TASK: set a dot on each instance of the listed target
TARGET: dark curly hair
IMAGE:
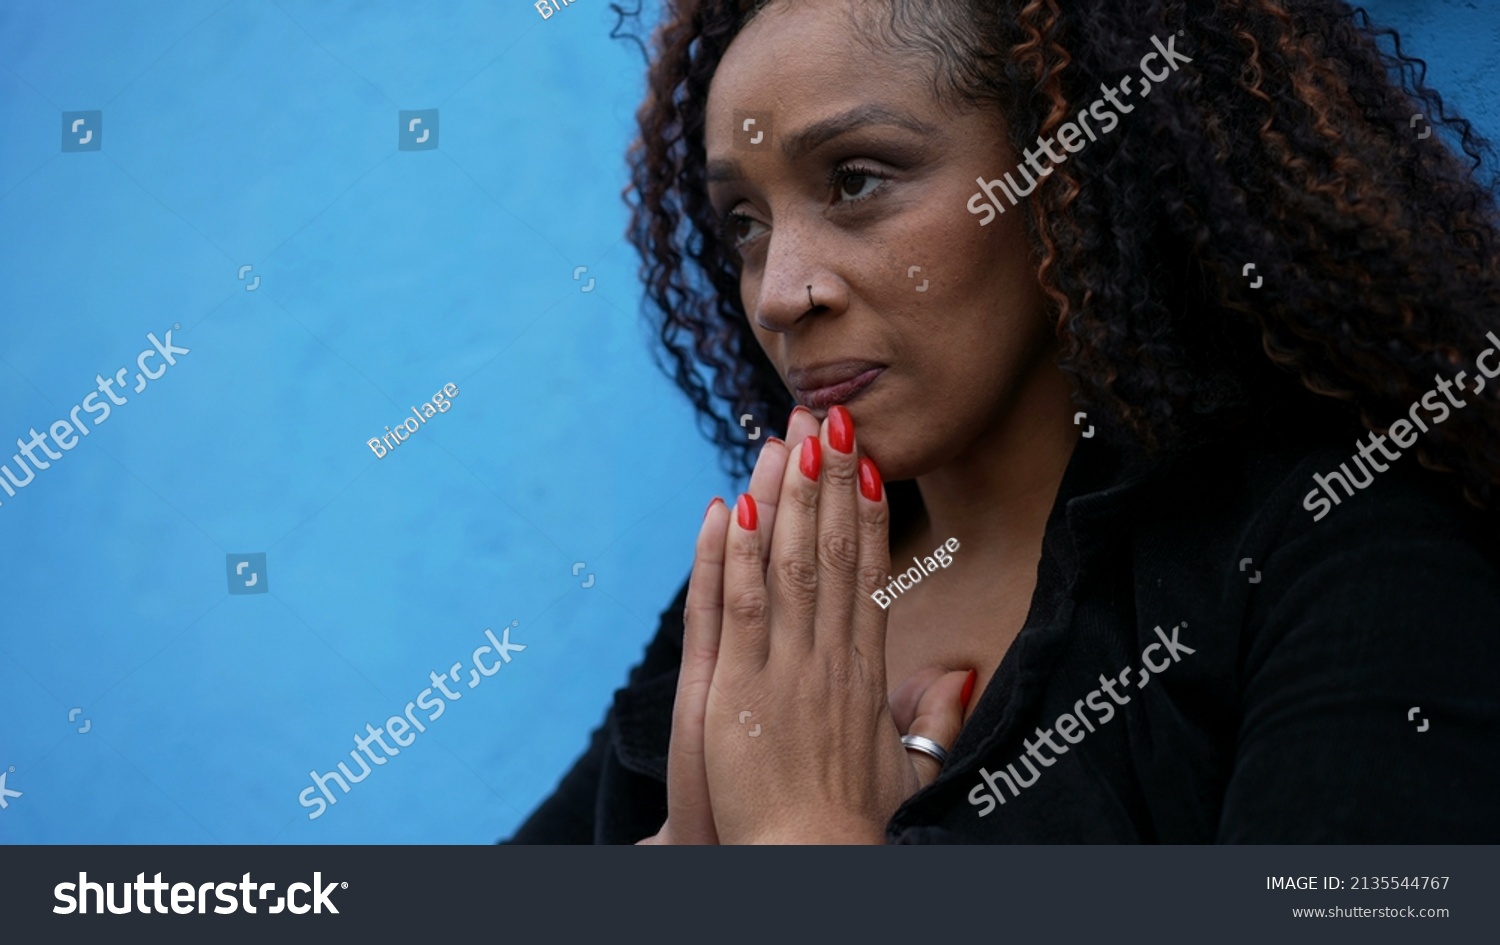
(1288, 142)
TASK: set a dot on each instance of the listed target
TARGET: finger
(703, 612)
(874, 563)
(765, 485)
(687, 774)
(792, 573)
(802, 424)
(744, 642)
(940, 717)
(905, 697)
(838, 533)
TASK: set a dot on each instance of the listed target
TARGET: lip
(835, 382)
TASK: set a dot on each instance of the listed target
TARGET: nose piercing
(810, 302)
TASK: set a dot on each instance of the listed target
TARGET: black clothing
(1327, 681)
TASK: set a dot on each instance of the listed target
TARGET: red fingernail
(745, 511)
(711, 506)
(969, 687)
(775, 439)
(841, 429)
(869, 479)
(811, 462)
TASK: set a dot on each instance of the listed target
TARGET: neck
(995, 497)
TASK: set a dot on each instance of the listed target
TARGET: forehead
(797, 62)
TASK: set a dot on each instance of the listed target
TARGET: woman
(1105, 291)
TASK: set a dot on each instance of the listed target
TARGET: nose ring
(810, 302)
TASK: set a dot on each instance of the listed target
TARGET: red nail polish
(869, 479)
(745, 511)
(711, 506)
(775, 439)
(796, 410)
(811, 462)
(841, 429)
(969, 687)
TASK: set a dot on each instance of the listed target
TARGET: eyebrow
(796, 146)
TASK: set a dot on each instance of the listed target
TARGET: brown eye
(740, 228)
(852, 183)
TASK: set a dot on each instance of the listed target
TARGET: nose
(795, 283)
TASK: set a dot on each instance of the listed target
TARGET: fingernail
(711, 506)
(745, 511)
(812, 458)
(869, 479)
(969, 687)
(775, 439)
(796, 410)
(841, 429)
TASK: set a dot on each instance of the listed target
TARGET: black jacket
(1327, 681)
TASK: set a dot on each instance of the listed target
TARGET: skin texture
(779, 619)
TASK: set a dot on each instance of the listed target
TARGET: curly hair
(1288, 142)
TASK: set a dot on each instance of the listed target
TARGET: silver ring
(927, 747)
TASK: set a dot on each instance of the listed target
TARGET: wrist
(825, 833)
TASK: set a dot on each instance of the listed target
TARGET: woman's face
(926, 324)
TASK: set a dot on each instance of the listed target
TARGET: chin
(895, 452)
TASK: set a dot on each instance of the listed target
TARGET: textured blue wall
(265, 134)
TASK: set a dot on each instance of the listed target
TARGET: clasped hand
(780, 623)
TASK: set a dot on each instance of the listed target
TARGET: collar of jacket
(1099, 490)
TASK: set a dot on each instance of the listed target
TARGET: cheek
(996, 286)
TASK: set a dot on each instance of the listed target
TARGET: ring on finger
(927, 747)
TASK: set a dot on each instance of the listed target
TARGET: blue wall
(264, 134)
